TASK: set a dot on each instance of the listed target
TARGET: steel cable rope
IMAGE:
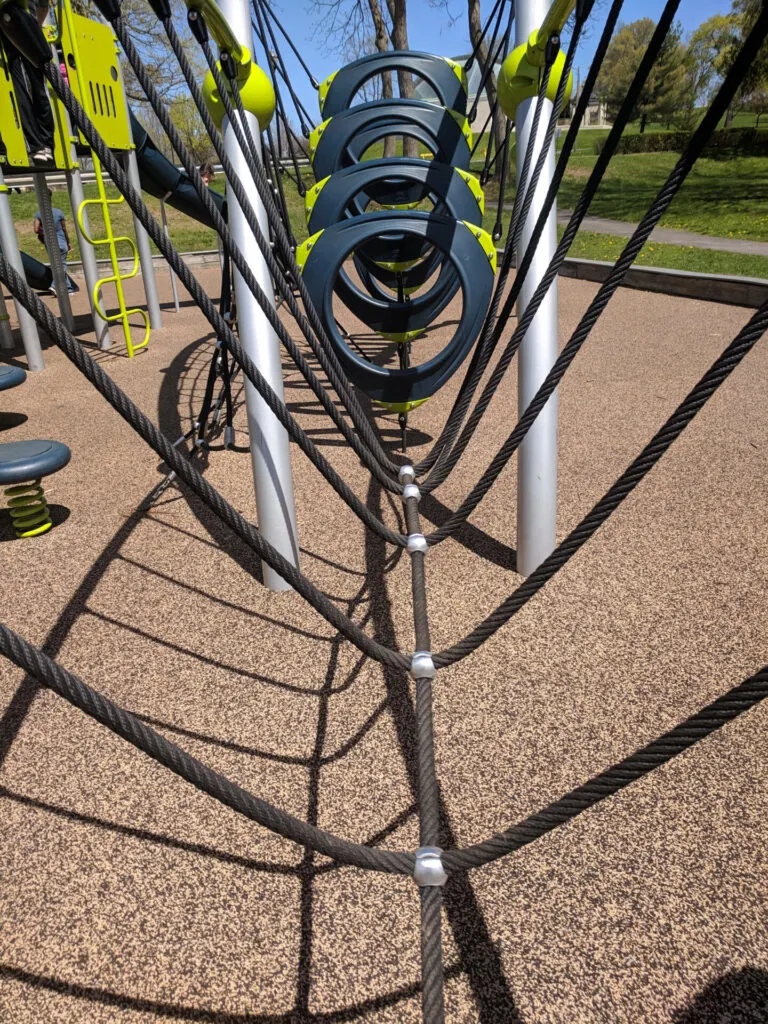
(479, 358)
(488, 339)
(492, 52)
(280, 106)
(301, 111)
(616, 778)
(607, 289)
(470, 60)
(223, 230)
(220, 326)
(317, 337)
(324, 353)
(430, 896)
(189, 474)
(312, 80)
(451, 459)
(121, 722)
(615, 495)
(317, 341)
(492, 330)
(212, 315)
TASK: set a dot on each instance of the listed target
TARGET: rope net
(396, 306)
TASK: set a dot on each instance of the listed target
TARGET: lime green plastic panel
(10, 123)
(93, 69)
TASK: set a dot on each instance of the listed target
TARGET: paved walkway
(604, 226)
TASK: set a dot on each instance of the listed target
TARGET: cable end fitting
(411, 491)
(416, 542)
(406, 474)
(429, 868)
(422, 665)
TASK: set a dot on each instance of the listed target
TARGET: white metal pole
(10, 248)
(537, 457)
(174, 289)
(270, 450)
(145, 252)
(6, 334)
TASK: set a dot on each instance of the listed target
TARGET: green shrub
(727, 142)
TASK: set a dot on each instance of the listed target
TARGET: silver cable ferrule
(429, 868)
(416, 542)
(422, 665)
(411, 491)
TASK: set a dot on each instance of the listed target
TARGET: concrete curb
(733, 291)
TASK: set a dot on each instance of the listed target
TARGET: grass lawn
(727, 198)
(186, 234)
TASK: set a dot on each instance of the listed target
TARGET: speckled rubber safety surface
(128, 897)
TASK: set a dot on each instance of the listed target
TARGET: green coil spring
(28, 508)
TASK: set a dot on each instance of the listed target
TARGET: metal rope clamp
(411, 491)
(406, 474)
(429, 868)
(416, 542)
(422, 665)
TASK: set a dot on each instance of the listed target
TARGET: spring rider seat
(23, 464)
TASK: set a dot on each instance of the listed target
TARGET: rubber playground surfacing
(128, 896)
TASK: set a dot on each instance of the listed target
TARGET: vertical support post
(537, 457)
(88, 258)
(174, 289)
(6, 334)
(142, 244)
(270, 451)
(10, 247)
(54, 255)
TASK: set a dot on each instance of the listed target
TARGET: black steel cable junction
(710, 718)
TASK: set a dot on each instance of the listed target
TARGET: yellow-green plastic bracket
(458, 70)
(322, 90)
(553, 24)
(311, 196)
(116, 278)
(521, 70)
(303, 251)
(475, 187)
(401, 406)
(315, 134)
(223, 34)
(404, 337)
(486, 242)
(463, 123)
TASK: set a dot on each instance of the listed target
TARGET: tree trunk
(387, 90)
(643, 122)
(499, 119)
(729, 116)
(399, 37)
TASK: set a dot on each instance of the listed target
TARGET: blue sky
(430, 30)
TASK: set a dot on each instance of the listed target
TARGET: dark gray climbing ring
(467, 258)
(436, 71)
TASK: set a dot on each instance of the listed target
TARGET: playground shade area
(129, 897)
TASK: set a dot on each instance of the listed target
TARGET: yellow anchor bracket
(256, 90)
(520, 73)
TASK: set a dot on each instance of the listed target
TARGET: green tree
(667, 88)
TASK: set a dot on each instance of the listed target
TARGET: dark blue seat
(29, 460)
(22, 464)
(11, 377)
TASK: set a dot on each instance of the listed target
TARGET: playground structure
(429, 864)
